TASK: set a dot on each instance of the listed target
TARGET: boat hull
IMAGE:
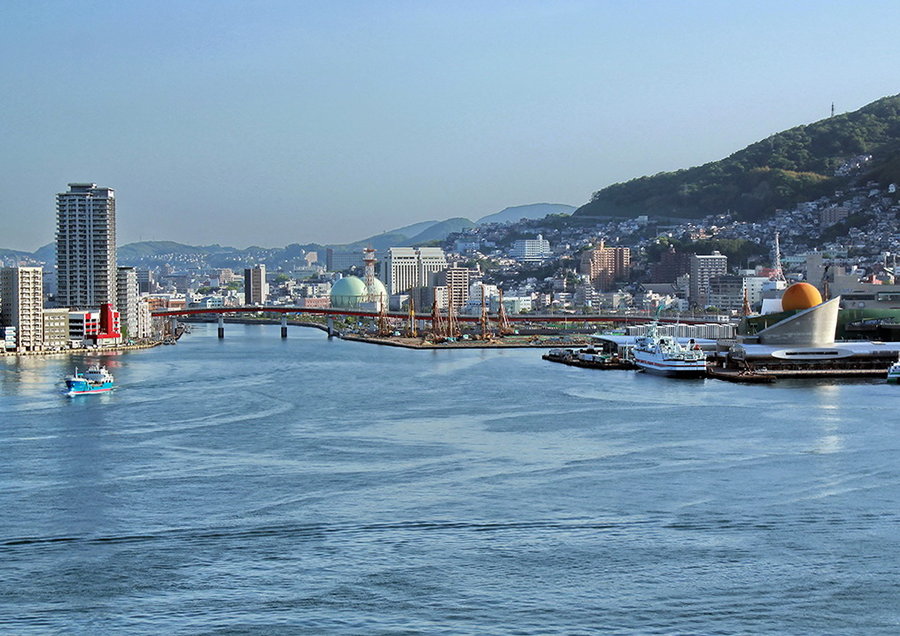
(671, 368)
(80, 387)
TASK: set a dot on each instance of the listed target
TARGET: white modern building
(22, 305)
(535, 250)
(704, 267)
(127, 299)
(408, 267)
(86, 246)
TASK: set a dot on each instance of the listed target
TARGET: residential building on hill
(704, 267)
(535, 250)
(605, 265)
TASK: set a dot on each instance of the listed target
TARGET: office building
(704, 267)
(456, 280)
(22, 305)
(256, 290)
(56, 328)
(408, 267)
(342, 261)
(606, 265)
(86, 246)
(726, 292)
(101, 327)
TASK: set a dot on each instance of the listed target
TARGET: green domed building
(350, 292)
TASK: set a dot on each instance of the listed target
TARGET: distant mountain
(8, 253)
(800, 164)
(532, 211)
(415, 228)
(145, 249)
(440, 231)
(47, 253)
(410, 235)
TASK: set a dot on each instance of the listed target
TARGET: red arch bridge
(331, 313)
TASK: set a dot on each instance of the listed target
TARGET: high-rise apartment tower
(86, 246)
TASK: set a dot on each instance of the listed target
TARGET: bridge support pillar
(221, 326)
(284, 325)
(329, 324)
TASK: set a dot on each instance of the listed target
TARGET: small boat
(664, 355)
(95, 380)
(893, 374)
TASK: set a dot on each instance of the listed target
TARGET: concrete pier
(284, 325)
(329, 323)
(221, 326)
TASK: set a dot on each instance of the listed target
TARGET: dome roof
(800, 296)
(348, 292)
(378, 289)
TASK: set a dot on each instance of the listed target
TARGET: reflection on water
(308, 485)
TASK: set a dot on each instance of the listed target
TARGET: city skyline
(331, 124)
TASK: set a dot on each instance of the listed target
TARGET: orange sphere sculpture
(800, 296)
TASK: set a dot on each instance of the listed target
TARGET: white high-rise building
(431, 261)
(22, 305)
(531, 250)
(86, 246)
(127, 299)
(407, 267)
(704, 267)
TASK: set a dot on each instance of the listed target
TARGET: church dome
(800, 296)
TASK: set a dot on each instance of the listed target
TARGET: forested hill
(796, 165)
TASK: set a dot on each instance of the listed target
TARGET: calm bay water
(256, 485)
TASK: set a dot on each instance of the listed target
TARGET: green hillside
(792, 166)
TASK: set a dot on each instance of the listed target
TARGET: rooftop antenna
(779, 272)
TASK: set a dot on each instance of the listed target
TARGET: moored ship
(664, 355)
(893, 374)
(95, 379)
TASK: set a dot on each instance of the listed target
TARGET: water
(256, 485)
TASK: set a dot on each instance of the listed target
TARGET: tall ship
(664, 355)
(95, 379)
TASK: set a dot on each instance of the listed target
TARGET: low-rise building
(56, 328)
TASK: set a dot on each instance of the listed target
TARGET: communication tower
(779, 271)
(369, 260)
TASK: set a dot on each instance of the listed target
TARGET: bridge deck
(319, 311)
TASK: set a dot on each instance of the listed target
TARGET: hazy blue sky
(288, 121)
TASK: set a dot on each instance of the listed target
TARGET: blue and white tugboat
(95, 380)
(664, 355)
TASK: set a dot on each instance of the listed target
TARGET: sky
(276, 122)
